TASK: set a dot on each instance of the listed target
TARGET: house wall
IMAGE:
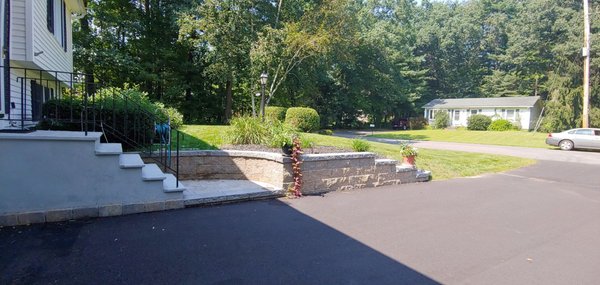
(18, 28)
(54, 57)
(29, 35)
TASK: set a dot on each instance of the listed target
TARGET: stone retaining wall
(321, 172)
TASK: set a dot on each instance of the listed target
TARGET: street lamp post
(263, 81)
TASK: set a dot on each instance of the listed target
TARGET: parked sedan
(575, 138)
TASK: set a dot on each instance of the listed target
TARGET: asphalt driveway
(576, 156)
(536, 225)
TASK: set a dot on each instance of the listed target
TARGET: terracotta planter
(408, 160)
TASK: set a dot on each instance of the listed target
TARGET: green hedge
(478, 122)
(502, 125)
(303, 119)
(274, 113)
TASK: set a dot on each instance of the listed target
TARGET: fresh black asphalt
(536, 225)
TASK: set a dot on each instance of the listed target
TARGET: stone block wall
(321, 172)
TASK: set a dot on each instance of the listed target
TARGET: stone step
(385, 161)
(151, 172)
(130, 160)
(109, 149)
(404, 168)
(170, 184)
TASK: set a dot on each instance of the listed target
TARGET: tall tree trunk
(229, 100)
(90, 88)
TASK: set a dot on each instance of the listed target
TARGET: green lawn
(509, 138)
(443, 164)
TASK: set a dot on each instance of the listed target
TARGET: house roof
(522, 101)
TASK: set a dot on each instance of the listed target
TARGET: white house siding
(18, 40)
(20, 83)
(54, 56)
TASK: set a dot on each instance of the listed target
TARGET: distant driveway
(587, 157)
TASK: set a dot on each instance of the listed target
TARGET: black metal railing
(55, 100)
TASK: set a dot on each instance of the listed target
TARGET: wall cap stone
(52, 136)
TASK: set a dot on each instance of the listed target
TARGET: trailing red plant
(295, 189)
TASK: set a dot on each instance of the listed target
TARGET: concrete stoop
(58, 176)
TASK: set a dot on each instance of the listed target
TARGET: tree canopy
(347, 59)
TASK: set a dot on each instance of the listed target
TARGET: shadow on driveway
(263, 242)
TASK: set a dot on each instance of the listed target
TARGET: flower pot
(408, 160)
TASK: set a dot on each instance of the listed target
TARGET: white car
(586, 138)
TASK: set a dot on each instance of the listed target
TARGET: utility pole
(586, 65)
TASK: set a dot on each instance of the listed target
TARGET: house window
(473, 112)
(56, 20)
(510, 114)
(456, 115)
(50, 15)
(431, 114)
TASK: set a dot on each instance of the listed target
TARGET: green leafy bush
(273, 113)
(478, 122)
(442, 120)
(303, 119)
(326, 132)
(247, 130)
(359, 145)
(280, 134)
(126, 115)
(417, 123)
(501, 125)
(170, 114)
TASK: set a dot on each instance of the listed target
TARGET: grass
(508, 138)
(443, 164)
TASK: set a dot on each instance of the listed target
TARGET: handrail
(53, 84)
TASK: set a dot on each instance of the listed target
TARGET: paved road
(588, 157)
(535, 225)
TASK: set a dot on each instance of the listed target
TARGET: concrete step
(131, 160)
(151, 172)
(211, 192)
(170, 184)
(109, 149)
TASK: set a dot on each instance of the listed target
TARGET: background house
(522, 110)
(37, 56)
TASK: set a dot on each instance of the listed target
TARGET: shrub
(303, 119)
(359, 145)
(247, 130)
(442, 120)
(478, 122)
(326, 132)
(417, 123)
(170, 114)
(273, 113)
(280, 134)
(501, 125)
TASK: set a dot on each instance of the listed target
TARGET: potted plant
(409, 153)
